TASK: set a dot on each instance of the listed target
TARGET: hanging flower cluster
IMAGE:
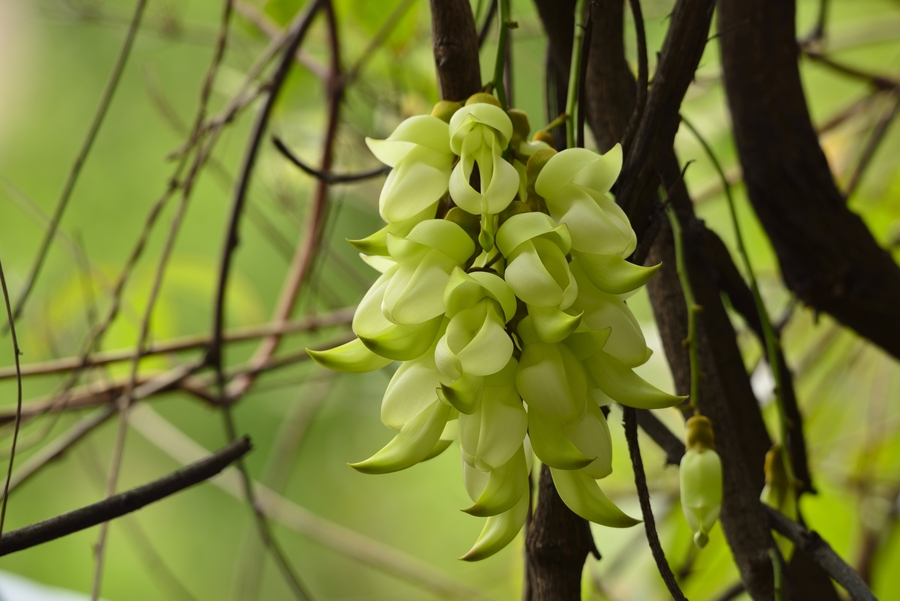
(502, 294)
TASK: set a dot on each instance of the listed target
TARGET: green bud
(699, 434)
(444, 110)
(521, 127)
(535, 165)
(514, 208)
(543, 136)
(483, 98)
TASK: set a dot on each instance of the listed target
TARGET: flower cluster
(502, 293)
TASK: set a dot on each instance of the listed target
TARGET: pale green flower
(550, 378)
(574, 184)
(476, 343)
(419, 152)
(376, 244)
(701, 480)
(535, 248)
(385, 338)
(479, 133)
(425, 258)
(601, 310)
(491, 433)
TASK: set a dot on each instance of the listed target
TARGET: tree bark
(828, 257)
(455, 43)
(557, 543)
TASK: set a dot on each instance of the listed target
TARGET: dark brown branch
(123, 503)
(879, 82)
(296, 37)
(681, 52)
(640, 481)
(75, 171)
(821, 552)
(329, 178)
(643, 73)
(455, 48)
(828, 257)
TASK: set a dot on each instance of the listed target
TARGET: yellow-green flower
(701, 480)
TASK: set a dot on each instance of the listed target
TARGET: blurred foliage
(55, 56)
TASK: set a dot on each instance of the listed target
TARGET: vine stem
(776, 572)
(773, 350)
(500, 62)
(574, 69)
(692, 307)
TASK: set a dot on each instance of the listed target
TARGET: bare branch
(123, 503)
(328, 178)
(15, 439)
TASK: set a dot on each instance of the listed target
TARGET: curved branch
(828, 256)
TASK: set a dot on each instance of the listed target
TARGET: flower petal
(613, 274)
(499, 531)
(552, 445)
(584, 497)
(626, 387)
(352, 357)
(505, 487)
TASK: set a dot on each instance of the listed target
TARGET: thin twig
(574, 71)
(884, 122)
(329, 178)
(185, 343)
(500, 61)
(640, 480)
(121, 504)
(16, 353)
(80, 159)
(643, 75)
(310, 242)
(488, 22)
(297, 34)
(879, 82)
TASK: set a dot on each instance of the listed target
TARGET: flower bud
(779, 494)
(701, 480)
(445, 109)
(483, 98)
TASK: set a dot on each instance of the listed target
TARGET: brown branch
(15, 439)
(123, 503)
(455, 48)
(828, 257)
(643, 74)
(640, 481)
(878, 133)
(879, 82)
(186, 343)
(61, 204)
(309, 244)
(557, 543)
(821, 552)
(297, 34)
(328, 178)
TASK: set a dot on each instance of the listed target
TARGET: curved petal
(499, 531)
(590, 435)
(413, 444)
(561, 169)
(444, 236)
(551, 444)
(354, 357)
(592, 229)
(530, 279)
(613, 274)
(503, 186)
(421, 130)
(376, 244)
(490, 349)
(417, 182)
(416, 292)
(402, 343)
(465, 393)
(497, 288)
(603, 173)
(583, 496)
(505, 487)
(553, 325)
(522, 227)
(412, 388)
(626, 387)
(463, 194)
